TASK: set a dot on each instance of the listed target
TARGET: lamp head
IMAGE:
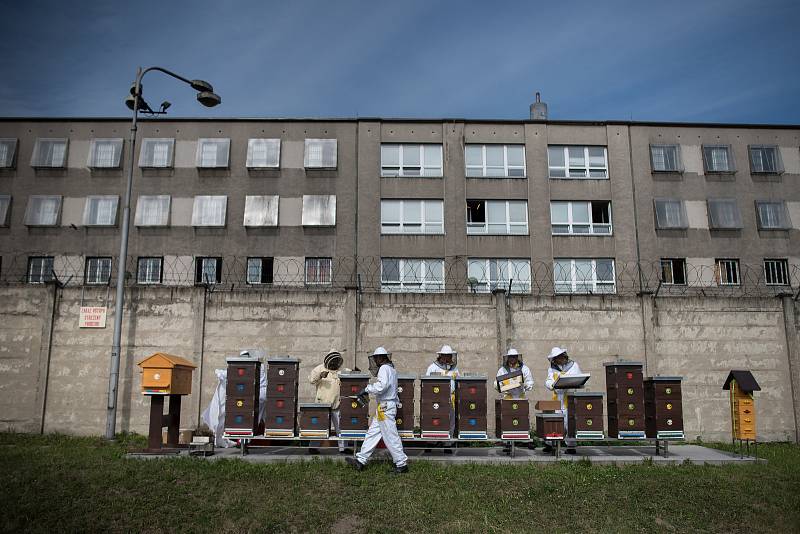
(201, 86)
(209, 99)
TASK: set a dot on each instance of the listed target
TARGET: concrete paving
(598, 455)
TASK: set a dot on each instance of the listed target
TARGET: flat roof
(409, 120)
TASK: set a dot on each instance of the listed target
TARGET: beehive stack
(405, 411)
(282, 382)
(353, 417)
(471, 407)
(663, 407)
(241, 397)
(625, 388)
(435, 407)
(512, 419)
(585, 415)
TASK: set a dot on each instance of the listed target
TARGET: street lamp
(135, 102)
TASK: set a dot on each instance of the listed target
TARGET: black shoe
(346, 450)
(571, 451)
(358, 466)
(532, 446)
(397, 470)
(547, 449)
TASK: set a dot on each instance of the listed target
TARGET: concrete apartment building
(404, 205)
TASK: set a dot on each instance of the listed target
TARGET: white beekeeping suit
(383, 424)
(512, 361)
(558, 368)
(446, 364)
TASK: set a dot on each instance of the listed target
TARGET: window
(5, 204)
(49, 153)
(718, 158)
(8, 153)
(318, 271)
(723, 214)
(772, 215)
(213, 153)
(43, 210)
(263, 153)
(259, 270)
(410, 275)
(152, 210)
(765, 159)
(665, 158)
(412, 217)
(319, 210)
(495, 161)
(411, 160)
(497, 217)
(98, 271)
(209, 210)
(575, 218)
(261, 210)
(156, 153)
(149, 270)
(670, 214)
(776, 272)
(727, 272)
(40, 269)
(105, 153)
(673, 271)
(584, 275)
(577, 161)
(100, 210)
(320, 154)
(208, 271)
(486, 275)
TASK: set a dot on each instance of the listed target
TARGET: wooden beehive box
(435, 407)
(314, 420)
(512, 419)
(741, 385)
(663, 407)
(241, 396)
(405, 410)
(625, 389)
(585, 415)
(165, 374)
(471, 407)
(353, 417)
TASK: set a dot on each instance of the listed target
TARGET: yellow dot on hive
(239, 403)
(514, 406)
(436, 389)
(589, 422)
(354, 404)
(669, 406)
(588, 405)
(515, 422)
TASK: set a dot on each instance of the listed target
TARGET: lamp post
(207, 97)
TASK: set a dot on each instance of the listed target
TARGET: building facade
(549, 207)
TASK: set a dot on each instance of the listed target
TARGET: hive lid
(354, 374)
(586, 394)
(282, 359)
(745, 379)
(241, 359)
(550, 416)
(166, 361)
(622, 363)
(663, 379)
(406, 376)
(440, 378)
(302, 405)
(471, 377)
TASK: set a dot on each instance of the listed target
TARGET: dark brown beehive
(663, 407)
(585, 415)
(241, 396)
(471, 407)
(625, 389)
(282, 383)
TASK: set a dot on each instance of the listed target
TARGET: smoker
(625, 390)
(282, 383)
(435, 402)
(471, 407)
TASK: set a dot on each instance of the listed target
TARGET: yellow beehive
(165, 374)
(741, 385)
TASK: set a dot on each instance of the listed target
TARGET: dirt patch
(347, 524)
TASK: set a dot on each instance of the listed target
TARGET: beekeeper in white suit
(561, 365)
(446, 364)
(512, 361)
(383, 424)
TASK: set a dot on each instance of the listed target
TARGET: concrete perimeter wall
(54, 375)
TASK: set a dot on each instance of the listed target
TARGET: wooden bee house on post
(165, 375)
(741, 385)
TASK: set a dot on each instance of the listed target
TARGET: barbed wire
(374, 274)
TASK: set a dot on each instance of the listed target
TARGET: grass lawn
(57, 483)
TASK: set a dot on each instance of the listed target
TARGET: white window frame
(717, 225)
(783, 222)
(95, 161)
(415, 275)
(5, 210)
(209, 211)
(778, 270)
(671, 263)
(477, 228)
(311, 144)
(261, 210)
(711, 166)
(202, 269)
(146, 266)
(319, 263)
(756, 155)
(253, 277)
(143, 205)
(164, 163)
(592, 228)
(482, 170)
(408, 170)
(665, 148)
(666, 224)
(8, 152)
(587, 167)
(213, 153)
(515, 269)
(97, 271)
(53, 159)
(327, 218)
(727, 272)
(584, 285)
(426, 224)
(43, 271)
(34, 210)
(109, 205)
(254, 145)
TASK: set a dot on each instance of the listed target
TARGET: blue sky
(708, 61)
